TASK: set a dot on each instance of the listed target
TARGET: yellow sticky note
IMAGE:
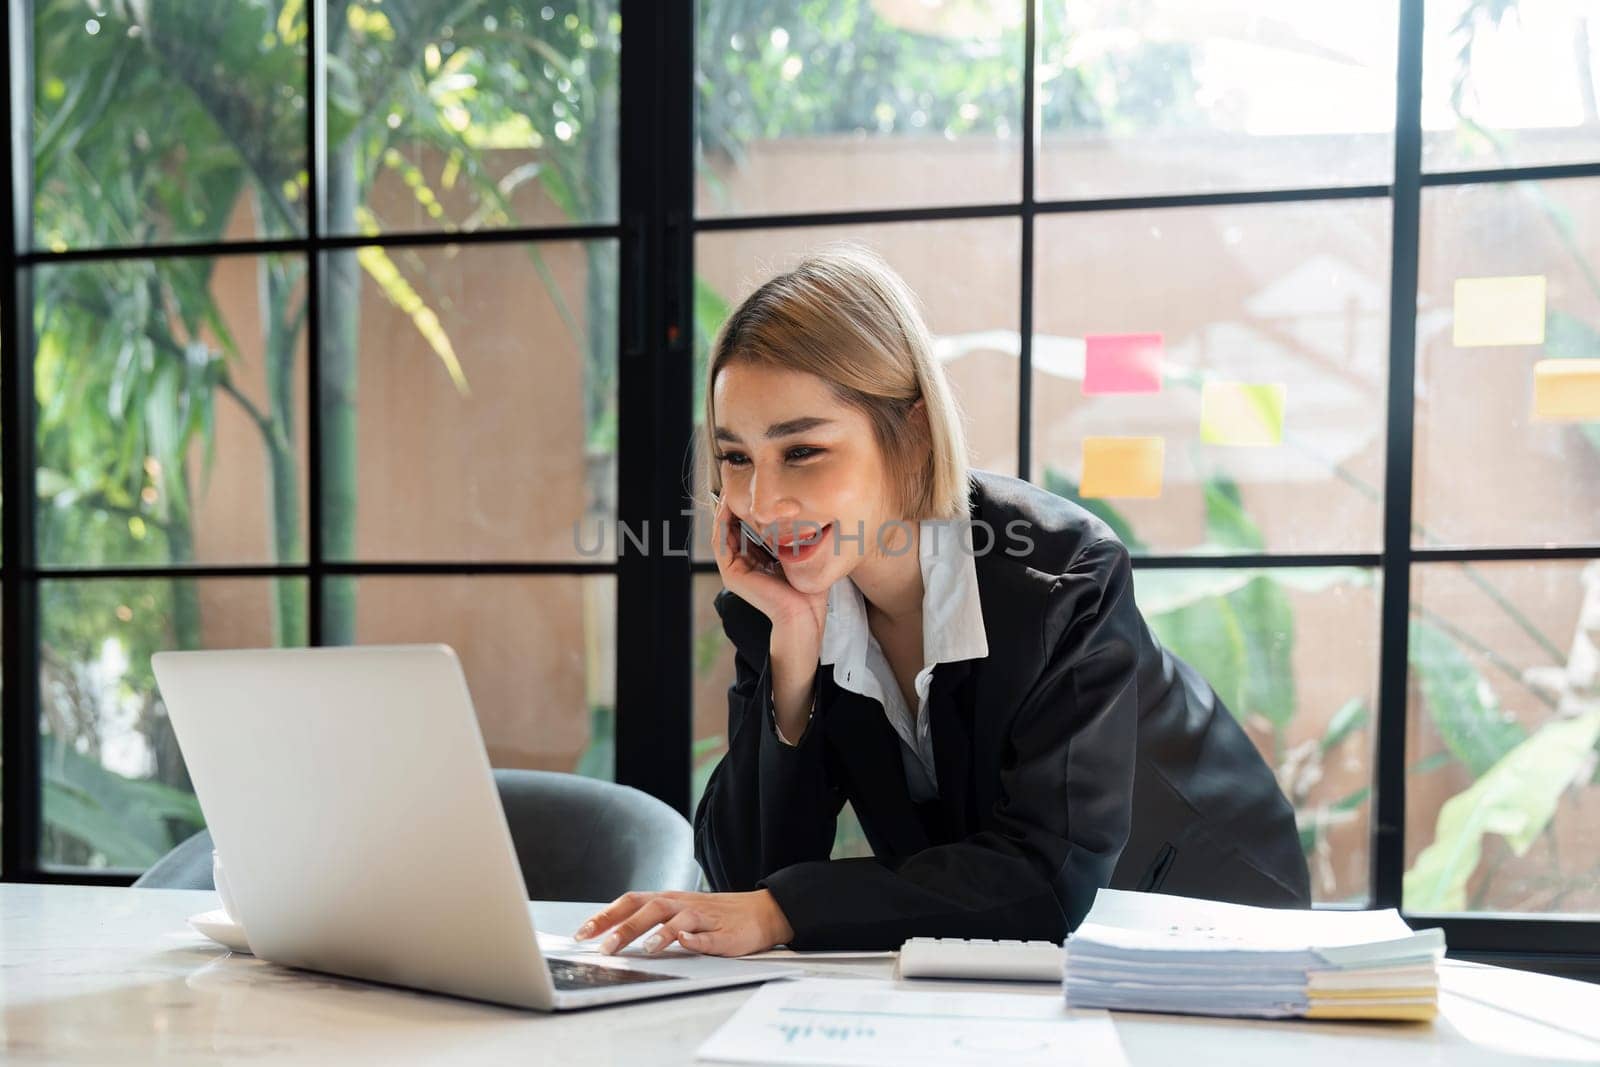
(1122, 467)
(1499, 311)
(1566, 389)
(1242, 413)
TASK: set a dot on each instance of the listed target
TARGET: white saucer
(218, 927)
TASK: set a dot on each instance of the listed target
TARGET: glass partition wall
(359, 321)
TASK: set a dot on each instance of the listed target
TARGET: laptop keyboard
(568, 974)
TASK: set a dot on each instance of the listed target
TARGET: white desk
(114, 975)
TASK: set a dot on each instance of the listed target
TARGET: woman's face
(794, 457)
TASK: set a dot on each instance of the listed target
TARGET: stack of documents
(1151, 952)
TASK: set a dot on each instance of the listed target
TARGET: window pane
(965, 274)
(171, 411)
(1187, 96)
(1293, 653)
(116, 793)
(1503, 799)
(713, 675)
(854, 104)
(1509, 84)
(1259, 374)
(1507, 297)
(538, 652)
(168, 122)
(478, 421)
(472, 116)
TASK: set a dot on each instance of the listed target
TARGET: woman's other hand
(717, 924)
(796, 617)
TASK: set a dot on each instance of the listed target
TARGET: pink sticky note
(1122, 363)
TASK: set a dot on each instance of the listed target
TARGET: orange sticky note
(1499, 311)
(1242, 413)
(1566, 389)
(1122, 467)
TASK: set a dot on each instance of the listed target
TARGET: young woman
(955, 652)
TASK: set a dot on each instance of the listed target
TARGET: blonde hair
(844, 315)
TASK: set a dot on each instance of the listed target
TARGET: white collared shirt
(952, 629)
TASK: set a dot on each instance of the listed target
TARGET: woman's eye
(739, 459)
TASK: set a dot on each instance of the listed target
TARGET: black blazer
(1079, 753)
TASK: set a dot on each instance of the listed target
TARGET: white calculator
(959, 957)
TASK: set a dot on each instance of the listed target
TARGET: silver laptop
(348, 792)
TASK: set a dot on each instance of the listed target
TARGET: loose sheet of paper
(845, 1022)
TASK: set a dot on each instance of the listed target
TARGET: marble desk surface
(107, 975)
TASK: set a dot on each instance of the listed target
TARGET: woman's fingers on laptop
(642, 919)
(730, 924)
(710, 929)
(687, 921)
(717, 924)
(613, 913)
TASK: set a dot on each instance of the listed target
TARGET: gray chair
(576, 839)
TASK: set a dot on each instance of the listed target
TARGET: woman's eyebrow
(786, 428)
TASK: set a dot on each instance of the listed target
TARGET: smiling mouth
(801, 542)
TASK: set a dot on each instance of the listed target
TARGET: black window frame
(656, 228)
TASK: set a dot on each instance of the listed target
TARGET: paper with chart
(844, 1022)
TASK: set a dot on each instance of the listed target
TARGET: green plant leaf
(710, 311)
(1463, 708)
(1269, 682)
(166, 433)
(599, 759)
(708, 647)
(1569, 337)
(1161, 592)
(1352, 716)
(1321, 579)
(1430, 763)
(1227, 524)
(1168, 589)
(849, 840)
(705, 747)
(399, 292)
(1236, 627)
(72, 812)
(707, 753)
(1209, 635)
(132, 822)
(1516, 798)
